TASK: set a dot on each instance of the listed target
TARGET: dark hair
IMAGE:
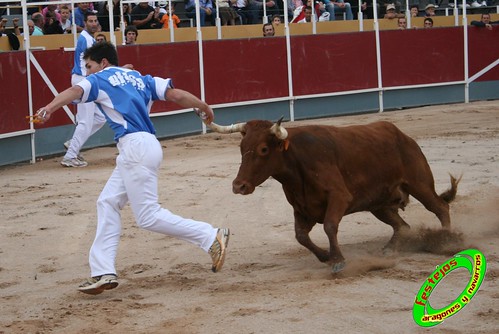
(99, 51)
(13, 41)
(132, 28)
(265, 25)
(101, 35)
(428, 19)
(37, 18)
(87, 14)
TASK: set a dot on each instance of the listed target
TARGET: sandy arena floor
(269, 284)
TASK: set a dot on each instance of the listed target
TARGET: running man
(125, 97)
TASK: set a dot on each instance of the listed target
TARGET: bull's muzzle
(242, 187)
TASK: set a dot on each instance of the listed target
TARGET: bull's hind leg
(432, 202)
(302, 231)
(391, 217)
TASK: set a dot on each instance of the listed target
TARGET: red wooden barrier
(256, 69)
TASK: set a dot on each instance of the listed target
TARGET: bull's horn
(226, 128)
(220, 128)
(279, 131)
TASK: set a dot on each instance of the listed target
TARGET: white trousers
(135, 180)
(89, 120)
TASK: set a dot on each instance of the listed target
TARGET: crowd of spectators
(57, 19)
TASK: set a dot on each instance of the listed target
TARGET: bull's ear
(283, 145)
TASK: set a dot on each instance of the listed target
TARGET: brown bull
(328, 172)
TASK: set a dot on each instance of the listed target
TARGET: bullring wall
(331, 74)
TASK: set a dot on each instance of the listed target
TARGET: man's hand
(207, 114)
(41, 116)
(3, 23)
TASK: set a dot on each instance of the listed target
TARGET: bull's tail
(450, 194)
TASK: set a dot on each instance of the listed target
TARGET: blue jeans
(191, 13)
(332, 8)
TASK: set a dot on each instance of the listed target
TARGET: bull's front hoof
(337, 267)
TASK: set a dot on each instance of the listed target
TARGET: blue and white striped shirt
(125, 97)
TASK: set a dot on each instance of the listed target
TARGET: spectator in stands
(384, 4)
(308, 15)
(484, 22)
(366, 8)
(131, 34)
(429, 10)
(402, 23)
(100, 38)
(226, 13)
(52, 25)
(31, 27)
(80, 11)
(65, 19)
(127, 16)
(428, 22)
(414, 10)
(391, 13)
(32, 9)
(299, 13)
(39, 23)
(165, 19)
(15, 25)
(205, 11)
(11, 36)
(338, 6)
(3, 26)
(145, 16)
(243, 9)
(276, 20)
(103, 15)
(272, 8)
(268, 30)
(52, 9)
(292, 5)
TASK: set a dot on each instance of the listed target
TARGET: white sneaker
(484, 3)
(461, 5)
(97, 285)
(218, 249)
(451, 4)
(475, 4)
(75, 162)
